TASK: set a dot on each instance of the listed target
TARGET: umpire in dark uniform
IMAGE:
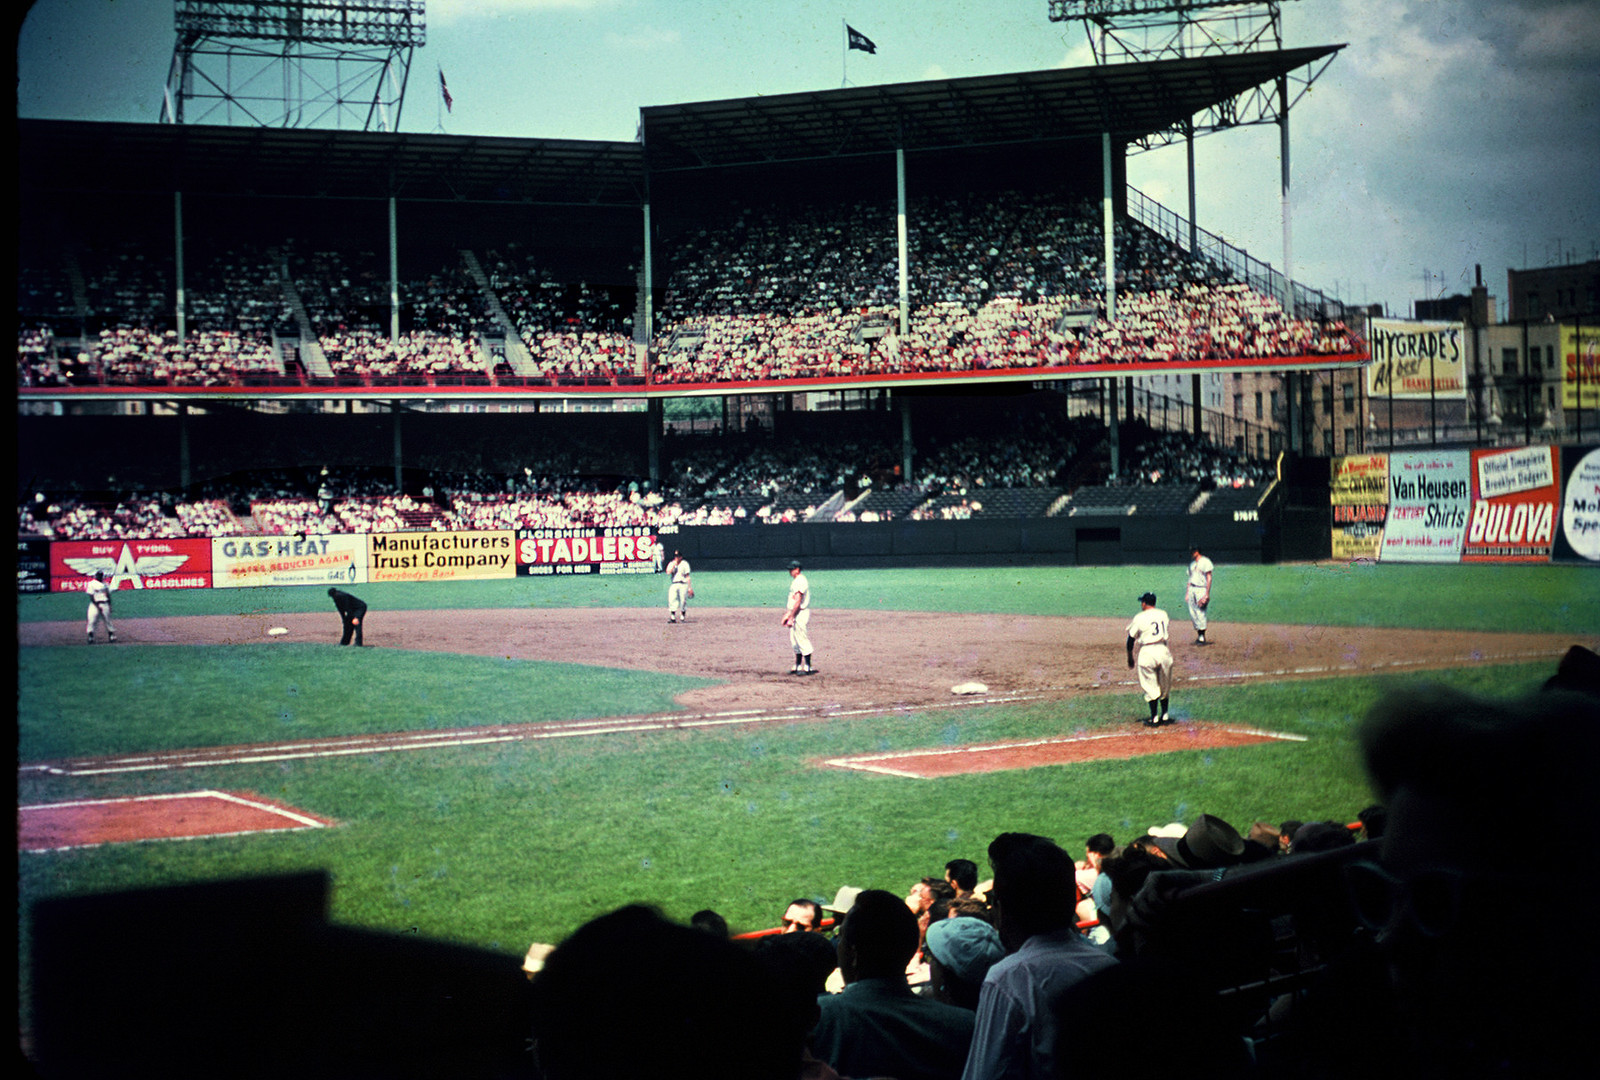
(352, 610)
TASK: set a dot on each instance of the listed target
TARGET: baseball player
(797, 617)
(679, 589)
(99, 605)
(1198, 594)
(1148, 632)
(352, 611)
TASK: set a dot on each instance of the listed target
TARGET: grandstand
(402, 274)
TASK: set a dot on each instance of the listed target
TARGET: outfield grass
(502, 845)
(1559, 599)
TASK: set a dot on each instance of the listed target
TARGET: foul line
(461, 737)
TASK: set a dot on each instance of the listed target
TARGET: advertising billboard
(1359, 492)
(1577, 536)
(244, 561)
(1514, 504)
(1580, 366)
(1430, 493)
(441, 556)
(621, 550)
(131, 564)
(1417, 360)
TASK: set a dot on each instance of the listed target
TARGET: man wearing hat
(1209, 844)
(1148, 632)
(960, 952)
(797, 617)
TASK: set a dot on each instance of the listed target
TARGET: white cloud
(643, 39)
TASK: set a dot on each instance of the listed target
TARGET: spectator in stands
(1035, 889)
(631, 994)
(922, 898)
(1095, 851)
(1448, 1006)
(962, 874)
(1315, 836)
(1372, 818)
(877, 1026)
(1261, 842)
(802, 916)
(709, 921)
(801, 966)
(960, 952)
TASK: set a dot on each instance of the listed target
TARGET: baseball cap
(1148, 598)
(795, 565)
(966, 946)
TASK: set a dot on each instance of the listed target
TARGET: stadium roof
(327, 164)
(1129, 100)
(1133, 100)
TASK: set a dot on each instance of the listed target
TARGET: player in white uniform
(797, 617)
(1198, 594)
(679, 590)
(1148, 631)
(99, 605)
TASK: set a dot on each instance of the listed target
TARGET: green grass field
(502, 845)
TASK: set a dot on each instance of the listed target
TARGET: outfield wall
(1537, 504)
(1517, 504)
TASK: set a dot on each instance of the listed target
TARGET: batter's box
(1066, 750)
(183, 816)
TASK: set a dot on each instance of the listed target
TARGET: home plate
(970, 688)
(278, 631)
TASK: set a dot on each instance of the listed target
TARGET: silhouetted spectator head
(1463, 779)
(879, 937)
(962, 873)
(1373, 819)
(1127, 872)
(799, 966)
(1286, 833)
(709, 921)
(631, 993)
(1579, 671)
(1035, 887)
(1315, 836)
(1098, 847)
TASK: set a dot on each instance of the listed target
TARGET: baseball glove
(1203, 604)
(691, 594)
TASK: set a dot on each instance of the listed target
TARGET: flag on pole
(444, 89)
(858, 40)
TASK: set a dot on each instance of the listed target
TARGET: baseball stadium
(920, 346)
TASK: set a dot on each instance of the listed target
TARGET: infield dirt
(864, 658)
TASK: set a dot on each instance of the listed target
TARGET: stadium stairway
(311, 354)
(517, 354)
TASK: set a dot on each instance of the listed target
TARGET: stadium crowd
(773, 293)
(713, 480)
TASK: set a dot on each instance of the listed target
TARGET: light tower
(292, 63)
(1158, 30)
(1148, 30)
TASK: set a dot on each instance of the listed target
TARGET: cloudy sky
(1448, 133)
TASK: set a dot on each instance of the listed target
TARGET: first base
(970, 688)
(278, 631)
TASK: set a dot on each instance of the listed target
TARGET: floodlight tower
(1146, 30)
(292, 63)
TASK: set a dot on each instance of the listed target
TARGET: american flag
(444, 88)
